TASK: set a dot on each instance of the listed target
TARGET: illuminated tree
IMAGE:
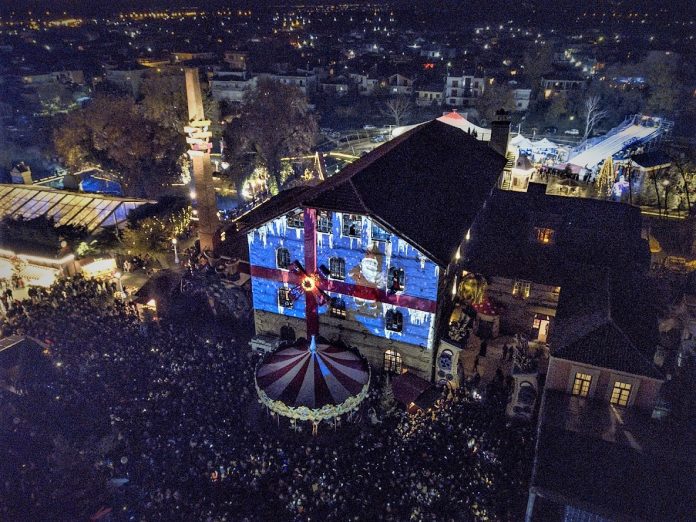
(593, 114)
(274, 122)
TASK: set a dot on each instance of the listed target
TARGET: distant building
(237, 60)
(522, 98)
(461, 90)
(76, 77)
(128, 80)
(178, 57)
(430, 95)
(231, 86)
(400, 85)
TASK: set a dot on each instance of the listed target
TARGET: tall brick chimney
(500, 131)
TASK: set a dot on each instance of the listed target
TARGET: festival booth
(313, 382)
(414, 393)
(520, 145)
(24, 269)
(98, 268)
(542, 149)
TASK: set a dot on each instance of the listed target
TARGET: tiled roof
(623, 466)
(587, 234)
(607, 321)
(427, 185)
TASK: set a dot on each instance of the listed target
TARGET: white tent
(519, 142)
(544, 145)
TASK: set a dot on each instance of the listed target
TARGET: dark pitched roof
(427, 185)
(628, 469)
(606, 320)
(587, 233)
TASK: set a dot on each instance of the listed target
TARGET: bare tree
(398, 108)
(593, 114)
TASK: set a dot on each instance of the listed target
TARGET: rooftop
(607, 321)
(427, 185)
(586, 233)
(620, 464)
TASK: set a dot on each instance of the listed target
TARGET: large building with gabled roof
(363, 256)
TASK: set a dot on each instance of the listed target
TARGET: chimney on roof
(500, 132)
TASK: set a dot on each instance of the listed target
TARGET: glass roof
(66, 208)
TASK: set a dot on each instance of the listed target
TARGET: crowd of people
(162, 423)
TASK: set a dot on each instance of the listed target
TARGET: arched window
(287, 333)
(392, 362)
(394, 321)
(396, 279)
(283, 258)
(337, 268)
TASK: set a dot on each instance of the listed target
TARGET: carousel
(313, 382)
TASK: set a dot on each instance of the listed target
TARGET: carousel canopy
(310, 381)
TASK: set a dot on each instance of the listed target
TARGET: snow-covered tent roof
(520, 142)
(544, 145)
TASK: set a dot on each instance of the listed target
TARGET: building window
(352, 225)
(324, 222)
(544, 236)
(392, 362)
(296, 219)
(337, 268)
(620, 393)
(283, 258)
(337, 308)
(521, 289)
(284, 298)
(378, 233)
(396, 279)
(394, 321)
(581, 384)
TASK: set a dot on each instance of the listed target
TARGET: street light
(176, 252)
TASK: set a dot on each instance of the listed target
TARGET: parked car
(369, 127)
(524, 396)
(378, 139)
(550, 130)
(572, 132)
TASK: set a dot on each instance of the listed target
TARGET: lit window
(620, 393)
(581, 384)
(396, 279)
(378, 233)
(285, 298)
(521, 289)
(392, 362)
(337, 268)
(337, 308)
(352, 225)
(296, 219)
(283, 258)
(324, 222)
(544, 236)
(394, 321)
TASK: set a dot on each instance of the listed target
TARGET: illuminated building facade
(363, 256)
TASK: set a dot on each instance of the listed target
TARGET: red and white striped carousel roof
(312, 375)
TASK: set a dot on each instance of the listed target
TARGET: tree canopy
(274, 121)
(113, 131)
